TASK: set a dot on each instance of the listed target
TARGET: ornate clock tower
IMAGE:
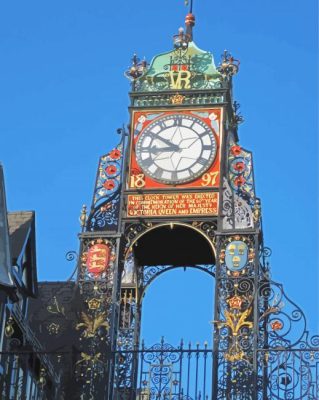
(178, 191)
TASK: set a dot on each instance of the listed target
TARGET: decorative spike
(137, 69)
(83, 216)
(181, 40)
(190, 23)
(229, 65)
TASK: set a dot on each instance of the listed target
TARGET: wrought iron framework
(261, 348)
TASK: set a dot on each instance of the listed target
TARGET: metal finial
(9, 330)
(137, 68)
(229, 65)
(83, 216)
(190, 4)
(181, 40)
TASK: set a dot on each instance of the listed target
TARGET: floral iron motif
(235, 321)
(87, 358)
(53, 328)
(55, 308)
(92, 324)
(241, 172)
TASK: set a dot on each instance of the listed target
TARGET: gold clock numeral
(138, 181)
(209, 178)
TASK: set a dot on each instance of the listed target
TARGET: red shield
(98, 259)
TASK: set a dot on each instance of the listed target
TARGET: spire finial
(189, 20)
(182, 39)
(190, 4)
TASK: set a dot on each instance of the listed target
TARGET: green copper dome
(180, 69)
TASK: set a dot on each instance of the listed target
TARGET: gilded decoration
(89, 359)
(53, 328)
(92, 324)
(83, 216)
(235, 302)
(97, 258)
(185, 67)
(55, 308)
(190, 98)
(177, 99)
(42, 377)
(257, 211)
(94, 303)
(9, 329)
(235, 321)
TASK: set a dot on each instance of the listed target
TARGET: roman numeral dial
(176, 148)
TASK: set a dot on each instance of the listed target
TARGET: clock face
(176, 148)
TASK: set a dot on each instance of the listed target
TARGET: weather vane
(190, 3)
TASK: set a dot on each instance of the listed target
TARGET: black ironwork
(152, 272)
(105, 208)
(167, 372)
(183, 372)
(163, 372)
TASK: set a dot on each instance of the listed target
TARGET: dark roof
(53, 315)
(23, 250)
(5, 256)
(20, 223)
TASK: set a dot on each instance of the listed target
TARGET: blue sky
(63, 95)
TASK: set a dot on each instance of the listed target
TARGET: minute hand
(156, 150)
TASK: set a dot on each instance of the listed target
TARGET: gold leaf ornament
(92, 324)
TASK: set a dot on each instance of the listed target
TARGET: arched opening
(177, 305)
(174, 244)
(175, 255)
(163, 270)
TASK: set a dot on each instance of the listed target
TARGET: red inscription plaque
(98, 259)
(172, 204)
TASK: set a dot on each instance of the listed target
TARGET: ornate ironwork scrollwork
(105, 207)
(285, 322)
(71, 255)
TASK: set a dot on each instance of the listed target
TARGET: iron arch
(172, 245)
(152, 272)
(177, 244)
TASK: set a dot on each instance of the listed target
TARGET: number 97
(209, 178)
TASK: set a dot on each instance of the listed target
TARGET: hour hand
(166, 141)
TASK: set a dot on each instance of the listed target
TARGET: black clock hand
(156, 149)
(166, 141)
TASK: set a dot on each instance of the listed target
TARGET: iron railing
(186, 373)
(163, 372)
